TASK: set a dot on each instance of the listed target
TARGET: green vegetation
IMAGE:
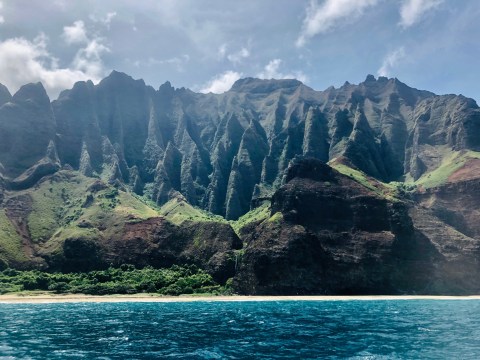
(403, 190)
(380, 188)
(177, 211)
(449, 166)
(56, 203)
(176, 280)
(54, 246)
(133, 207)
(276, 218)
(357, 175)
(10, 242)
(65, 206)
(256, 215)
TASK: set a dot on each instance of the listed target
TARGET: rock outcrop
(154, 242)
(328, 234)
(27, 127)
(217, 149)
(403, 218)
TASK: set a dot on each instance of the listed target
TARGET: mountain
(220, 151)
(121, 172)
(329, 234)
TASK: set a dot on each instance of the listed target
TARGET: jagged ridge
(223, 151)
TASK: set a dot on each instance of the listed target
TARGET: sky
(206, 45)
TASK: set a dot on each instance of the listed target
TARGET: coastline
(79, 298)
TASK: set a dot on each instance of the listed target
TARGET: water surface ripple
(395, 329)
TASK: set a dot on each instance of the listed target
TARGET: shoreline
(79, 298)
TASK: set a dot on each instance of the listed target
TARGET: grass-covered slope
(70, 205)
(69, 222)
(11, 249)
(458, 165)
(253, 217)
(63, 206)
(178, 210)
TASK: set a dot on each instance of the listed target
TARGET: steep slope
(221, 146)
(120, 172)
(328, 234)
(222, 151)
(27, 133)
(70, 222)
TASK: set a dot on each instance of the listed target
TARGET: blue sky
(206, 45)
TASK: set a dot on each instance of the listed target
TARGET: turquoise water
(400, 329)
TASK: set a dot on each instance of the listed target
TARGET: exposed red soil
(471, 170)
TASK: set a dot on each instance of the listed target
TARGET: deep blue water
(400, 329)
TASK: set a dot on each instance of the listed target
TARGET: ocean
(386, 329)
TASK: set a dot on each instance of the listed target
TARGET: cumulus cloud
(391, 61)
(234, 57)
(324, 17)
(89, 59)
(272, 71)
(238, 56)
(221, 83)
(412, 11)
(76, 33)
(23, 61)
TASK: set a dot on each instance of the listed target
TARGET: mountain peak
(117, 77)
(33, 91)
(166, 88)
(5, 95)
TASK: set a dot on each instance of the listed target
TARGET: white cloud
(413, 10)
(89, 59)
(321, 18)
(178, 62)
(391, 61)
(234, 57)
(237, 57)
(106, 20)
(76, 33)
(272, 71)
(23, 61)
(221, 83)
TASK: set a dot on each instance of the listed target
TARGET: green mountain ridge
(119, 173)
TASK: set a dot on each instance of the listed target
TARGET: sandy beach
(73, 298)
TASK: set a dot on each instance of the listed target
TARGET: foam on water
(420, 329)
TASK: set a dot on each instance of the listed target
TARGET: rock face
(330, 235)
(155, 242)
(456, 204)
(218, 150)
(27, 128)
(71, 170)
